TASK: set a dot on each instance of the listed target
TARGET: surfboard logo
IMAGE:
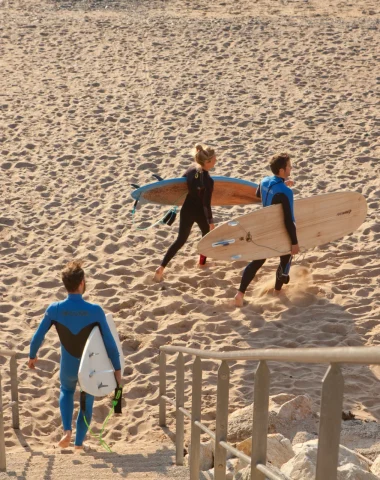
(346, 212)
(101, 385)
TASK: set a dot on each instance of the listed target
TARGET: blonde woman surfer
(197, 205)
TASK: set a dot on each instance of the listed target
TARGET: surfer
(74, 318)
(197, 205)
(275, 190)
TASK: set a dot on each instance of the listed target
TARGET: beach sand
(95, 96)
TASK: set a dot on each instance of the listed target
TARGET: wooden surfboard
(227, 191)
(262, 234)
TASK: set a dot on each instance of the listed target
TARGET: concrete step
(137, 462)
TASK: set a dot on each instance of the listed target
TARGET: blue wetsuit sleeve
(109, 342)
(42, 330)
(289, 224)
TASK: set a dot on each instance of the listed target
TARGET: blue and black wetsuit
(273, 191)
(74, 319)
(195, 209)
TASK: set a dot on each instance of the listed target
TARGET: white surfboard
(96, 373)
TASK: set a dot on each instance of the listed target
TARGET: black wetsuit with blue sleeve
(74, 319)
(273, 191)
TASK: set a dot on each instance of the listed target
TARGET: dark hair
(203, 153)
(72, 275)
(279, 161)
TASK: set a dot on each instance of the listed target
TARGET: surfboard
(262, 234)
(227, 191)
(96, 373)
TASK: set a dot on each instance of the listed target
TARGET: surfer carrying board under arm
(274, 190)
(74, 319)
(197, 205)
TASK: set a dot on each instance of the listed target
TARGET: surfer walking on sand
(197, 205)
(275, 190)
(74, 318)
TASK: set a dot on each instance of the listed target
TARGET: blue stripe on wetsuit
(73, 315)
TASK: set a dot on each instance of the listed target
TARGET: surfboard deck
(96, 373)
(227, 191)
(262, 234)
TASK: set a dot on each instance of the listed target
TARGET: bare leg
(238, 299)
(65, 440)
(159, 274)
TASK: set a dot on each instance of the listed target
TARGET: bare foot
(82, 448)
(85, 447)
(65, 440)
(159, 274)
(238, 299)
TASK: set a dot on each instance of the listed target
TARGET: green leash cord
(116, 407)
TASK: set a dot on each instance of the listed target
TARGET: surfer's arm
(289, 224)
(109, 343)
(257, 197)
(39, 336)
(209, 187)
(190, 175)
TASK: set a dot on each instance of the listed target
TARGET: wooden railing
(13, 404)
(330, 415)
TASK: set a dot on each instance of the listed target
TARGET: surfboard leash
(167, 219)
(295, 257)
(116, 408)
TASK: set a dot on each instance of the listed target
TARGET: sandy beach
(96, 95)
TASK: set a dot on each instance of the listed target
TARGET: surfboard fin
(135, 186)
(223, 243)
(160, 179)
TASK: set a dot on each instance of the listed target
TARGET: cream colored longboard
(262, 234)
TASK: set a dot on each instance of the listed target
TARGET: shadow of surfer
(74, 319)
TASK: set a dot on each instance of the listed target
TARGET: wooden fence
(330, 414)
(14, 404)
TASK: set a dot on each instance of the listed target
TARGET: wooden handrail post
(3, 463)
(260, 420)
(221, 421)
(330, 423)
(180, 394)
(162, 389)
(196, 405)
(14, 393)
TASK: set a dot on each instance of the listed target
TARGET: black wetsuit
(253, 267)
(195, 209)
